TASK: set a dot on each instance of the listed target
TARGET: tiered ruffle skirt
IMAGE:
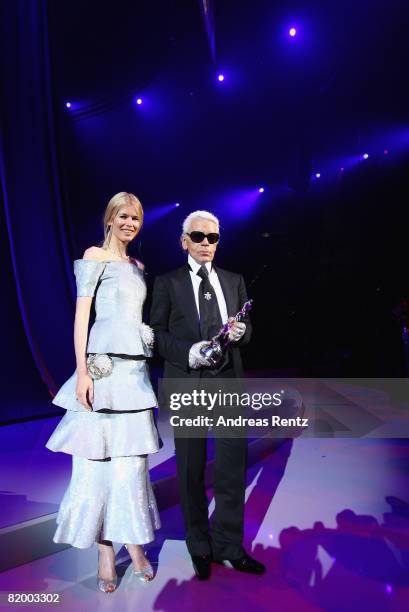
(110, 495)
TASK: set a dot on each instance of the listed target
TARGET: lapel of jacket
(228, 293)
(187, 303)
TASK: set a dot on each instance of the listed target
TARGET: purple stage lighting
(220, 77)
(177, 204)
(159, 212)
(139, 101)
(317, 175)
(261, 190)
(365, 156)
(292, 32)
(68, 104)
(386, 152)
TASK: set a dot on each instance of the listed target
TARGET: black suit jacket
(175, 320)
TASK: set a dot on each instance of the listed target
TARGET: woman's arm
(81, 321)
(85, 385)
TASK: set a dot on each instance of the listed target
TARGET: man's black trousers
(225, 535)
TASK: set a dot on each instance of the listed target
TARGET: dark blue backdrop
(329, 255)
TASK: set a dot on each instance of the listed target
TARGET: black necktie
(210, 318)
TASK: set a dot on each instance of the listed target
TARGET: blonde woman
(109, 427)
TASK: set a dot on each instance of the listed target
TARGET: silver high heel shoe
(106, 586)
(145, 574)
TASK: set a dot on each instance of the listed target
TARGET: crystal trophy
(214, 352)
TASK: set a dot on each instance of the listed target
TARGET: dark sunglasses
(200, 236)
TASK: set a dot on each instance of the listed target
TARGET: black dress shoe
(202, 564)
(246, 564)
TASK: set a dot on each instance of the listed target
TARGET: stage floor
(328, 517)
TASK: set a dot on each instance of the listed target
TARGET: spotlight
(139, 101)
(177, 204)
(261, 190)
(342, 169)
(386, 152)
(220, 77)
(317, 175)
(365, 156)
(68, 104)
(292, 32)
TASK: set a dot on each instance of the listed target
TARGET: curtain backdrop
(33, 211)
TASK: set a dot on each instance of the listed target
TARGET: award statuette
(215, 351)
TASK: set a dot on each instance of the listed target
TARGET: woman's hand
(85, 391)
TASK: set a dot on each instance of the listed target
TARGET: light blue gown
(110, 495)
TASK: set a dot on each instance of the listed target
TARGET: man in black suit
(189, 305)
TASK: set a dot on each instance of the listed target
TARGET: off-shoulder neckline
(133, 261)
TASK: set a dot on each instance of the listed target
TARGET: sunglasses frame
(204, 236)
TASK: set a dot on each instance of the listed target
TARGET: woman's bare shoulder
(95, 253)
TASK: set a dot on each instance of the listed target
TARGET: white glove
(196, 359)
(147, 335)
(237, 331)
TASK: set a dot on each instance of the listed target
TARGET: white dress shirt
(214, 281)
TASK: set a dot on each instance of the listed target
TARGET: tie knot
(202, 272)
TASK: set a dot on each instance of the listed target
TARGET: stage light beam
(139, 101)
(220, 78)
(292, 32)
(68, 104)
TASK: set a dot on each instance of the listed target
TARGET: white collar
(196, 266)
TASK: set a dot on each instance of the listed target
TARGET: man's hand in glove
(196, 359)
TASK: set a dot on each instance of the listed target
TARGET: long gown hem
(110, 537)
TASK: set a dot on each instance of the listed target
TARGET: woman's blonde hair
(115, 203)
